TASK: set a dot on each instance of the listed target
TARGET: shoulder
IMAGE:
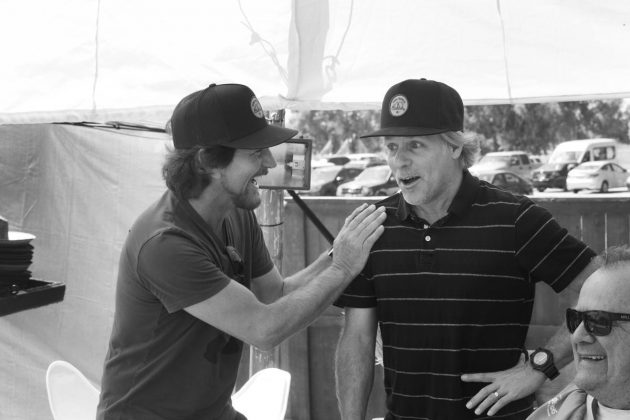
(570, 401)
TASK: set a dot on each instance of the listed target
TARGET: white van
(568, 155)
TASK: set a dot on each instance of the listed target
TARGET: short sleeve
(359, 294)
(546, 250)
(178, 271)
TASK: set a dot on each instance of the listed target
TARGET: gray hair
(468, 142)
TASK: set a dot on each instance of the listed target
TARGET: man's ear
(201, 167)
(456, 151)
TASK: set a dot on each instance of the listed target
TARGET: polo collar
(462, 201)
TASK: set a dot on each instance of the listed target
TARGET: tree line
(535, 128)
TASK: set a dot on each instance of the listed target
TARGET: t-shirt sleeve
(177, 271)
(359, 294)
(547, 250)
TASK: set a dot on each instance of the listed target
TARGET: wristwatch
(542, 360)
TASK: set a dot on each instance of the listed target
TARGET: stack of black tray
(18, 291)
(16, 256)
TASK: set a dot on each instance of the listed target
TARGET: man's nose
(398, 159)
(582, 335)
(268, 160)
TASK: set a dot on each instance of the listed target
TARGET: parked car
(371, 159)
(552, 175)
(508, 181)
(374, 180)
(596, 175)
(567, 155)
(326, 179)
(517, 162)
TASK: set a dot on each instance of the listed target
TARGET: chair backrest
(71, 395)
(264, 396)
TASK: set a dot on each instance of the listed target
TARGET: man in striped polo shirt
(451, 281)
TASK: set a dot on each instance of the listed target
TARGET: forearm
(305, 275)
(354, 375)
(559, 344)
(301, 307)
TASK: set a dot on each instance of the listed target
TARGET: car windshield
(564, 156)
(324, 174)
(374, 173)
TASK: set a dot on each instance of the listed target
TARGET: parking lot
(552, 192)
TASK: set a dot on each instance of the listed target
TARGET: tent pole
(270, 216)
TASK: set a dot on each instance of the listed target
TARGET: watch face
(540, 358)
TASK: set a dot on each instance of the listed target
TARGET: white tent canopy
(133, 60)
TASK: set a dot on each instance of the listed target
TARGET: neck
(212, 208)
(616, 402)
(437, 207)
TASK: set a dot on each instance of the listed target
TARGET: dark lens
(573, 320)
(598, 323)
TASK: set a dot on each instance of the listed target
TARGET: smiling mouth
(592, 357)
(408, 180)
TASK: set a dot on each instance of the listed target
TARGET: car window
(511, 179)
(525, 159)
(499, 180)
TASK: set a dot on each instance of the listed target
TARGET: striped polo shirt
(456, 296)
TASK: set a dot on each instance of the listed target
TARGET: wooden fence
(309, 355)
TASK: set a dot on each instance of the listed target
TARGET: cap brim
(405, 132)
(269, 136)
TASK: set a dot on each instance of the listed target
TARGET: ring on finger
(496, 394)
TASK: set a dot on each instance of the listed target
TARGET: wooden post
(270, 216)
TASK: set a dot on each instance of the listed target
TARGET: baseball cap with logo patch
(224, 115)
(420, 107)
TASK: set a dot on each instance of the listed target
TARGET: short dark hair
(182, 169)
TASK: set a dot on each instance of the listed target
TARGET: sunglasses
(597, 323)
(236, 261)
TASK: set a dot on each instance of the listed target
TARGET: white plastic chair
(71, 395)
(264, 396)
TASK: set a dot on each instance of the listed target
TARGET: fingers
(478, 377)
(355, 213)
(485, 399)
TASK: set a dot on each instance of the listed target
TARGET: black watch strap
(542, 360)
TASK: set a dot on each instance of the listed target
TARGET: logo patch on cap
(256, 108)
(398, 105)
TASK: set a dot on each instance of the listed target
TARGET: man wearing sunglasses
(195, 278)
(600, 335)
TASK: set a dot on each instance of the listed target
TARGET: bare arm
(272, 286)
(238, 312)
(354, 364)
(522, 380)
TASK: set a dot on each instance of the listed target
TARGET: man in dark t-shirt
(451, 281)
(195, 279)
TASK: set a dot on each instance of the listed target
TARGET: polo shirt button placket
(427, 238)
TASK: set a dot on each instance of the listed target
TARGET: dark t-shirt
(163, 363)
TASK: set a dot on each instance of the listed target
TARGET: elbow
(266, 338)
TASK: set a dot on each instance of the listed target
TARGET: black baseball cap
(226, 115)
(420, 107)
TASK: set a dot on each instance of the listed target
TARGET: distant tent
(345, 147)
(327, 149)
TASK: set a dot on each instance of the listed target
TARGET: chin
(248, 203)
